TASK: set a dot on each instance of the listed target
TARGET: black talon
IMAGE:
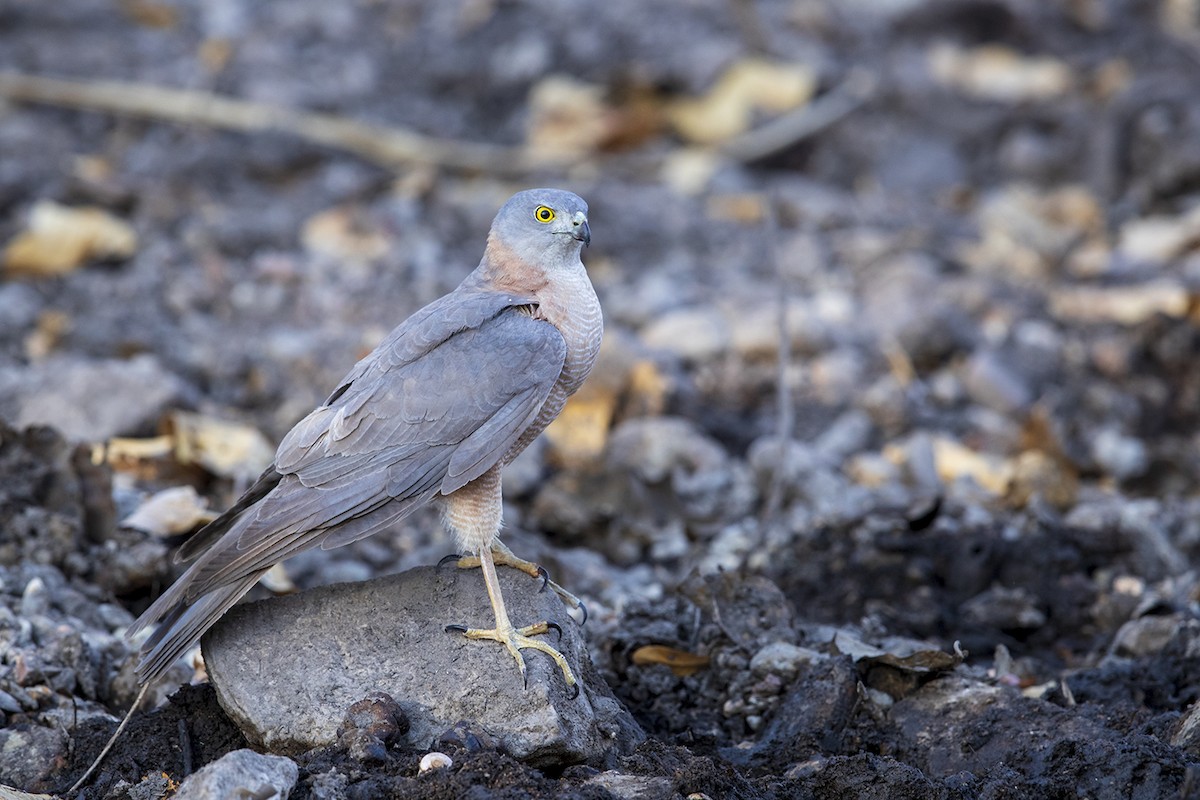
(574, 686)
(583, 608)
(555, 627)
(545, 576)
(448, 559)
(456, 629)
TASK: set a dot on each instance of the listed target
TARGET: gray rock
(850, 433)
(21, 305)
(1187, 731)
(994, 383)
(1145, 636)
(812, 716)
(242, 773)
(287, 669)
(88, 400)
(692, 334)
(1005, 608)
(632, 787)
(781, 658)
(30, 754)
(1123, 457)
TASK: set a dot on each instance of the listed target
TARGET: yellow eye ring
(544, 214)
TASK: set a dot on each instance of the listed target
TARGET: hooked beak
(581, 231)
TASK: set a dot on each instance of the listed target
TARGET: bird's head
(542, 226)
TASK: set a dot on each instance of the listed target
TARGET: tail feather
(207, 536)
(182, 625)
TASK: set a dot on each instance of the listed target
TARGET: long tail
(182, 623)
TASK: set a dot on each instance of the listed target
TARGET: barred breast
(571, 305)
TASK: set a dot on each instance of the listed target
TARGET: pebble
(1121, 456)
(1144, 636)
(692, 334)
(989, 380)
(242, 773)
(89, 399)
(782, 658)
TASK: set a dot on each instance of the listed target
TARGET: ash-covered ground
(886, 482)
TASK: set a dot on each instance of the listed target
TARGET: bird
(432, 414)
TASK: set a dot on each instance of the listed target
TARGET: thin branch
(387, 146)
(805, 122)
(785, 420)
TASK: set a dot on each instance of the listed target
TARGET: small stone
(242, 773)
(781, 658)
(849, 434)
(632, 787)
(370, 725)
(35, 601)
(1005, 608)
(693, 334)
(30, 754)
(993, 383)
(1187, 731)
(89, 399)
(1144, 636)
(1159, 239)
(1122, 456)
(9, 703)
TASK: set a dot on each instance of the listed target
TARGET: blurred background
(901, 298)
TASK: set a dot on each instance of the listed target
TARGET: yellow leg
(514, 639)
(504, 557)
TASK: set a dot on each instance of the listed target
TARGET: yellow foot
(503, 556)
(518, 639)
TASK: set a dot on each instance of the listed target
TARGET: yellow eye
(544, 214)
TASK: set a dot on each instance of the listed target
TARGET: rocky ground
(886, 483)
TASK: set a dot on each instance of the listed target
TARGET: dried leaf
(897, 675)
(648, 390)
(1125, 305)
(680, 662)
(277, 580)
(994, 72)
(747, 208)
(1036, 474)
(59, 239)
(118, 451)
(1028, 232)
(227, 449)
(49, 331)
(746, 88)
(955, 460)
(170, 512)
(567, 118)
(688, 170)
(580, 432)
(344, 233)
(151, 14)
(1160, 238)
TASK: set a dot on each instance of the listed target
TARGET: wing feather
(438, 403)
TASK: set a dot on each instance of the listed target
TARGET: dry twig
(387, 146)
(805, 122)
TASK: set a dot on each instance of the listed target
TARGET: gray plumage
(450, 396)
